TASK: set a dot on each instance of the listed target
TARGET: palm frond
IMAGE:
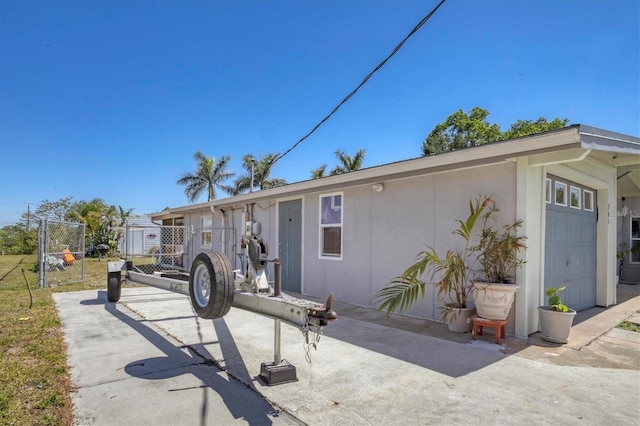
(401, 295)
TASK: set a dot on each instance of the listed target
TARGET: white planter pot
(555, 327)
(462, 322)
(493, 300)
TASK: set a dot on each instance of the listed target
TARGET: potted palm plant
(450, 273)
(498, 256)
(556, 318)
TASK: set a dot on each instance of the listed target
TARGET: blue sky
(111, 99)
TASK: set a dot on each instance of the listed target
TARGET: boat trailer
(213, 287)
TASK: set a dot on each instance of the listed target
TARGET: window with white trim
(547, 193)
(634, 254)
(587, 199)
(574, 197)
(561, 194)
(331, 226)
(205, 231)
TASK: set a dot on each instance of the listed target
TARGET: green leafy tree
(529, 127)
(103, 222)
(208, 176)
(461, 130)
(348, 163)
(261, 174)
(16, 239)
(94, 215)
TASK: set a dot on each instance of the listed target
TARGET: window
(206, 231)
(547, 193)
(587, 197)
(575, 198)
(634, 255)
(331, 226)
(561, 194)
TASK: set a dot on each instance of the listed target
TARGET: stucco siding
(383, 231)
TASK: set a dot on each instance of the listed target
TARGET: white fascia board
(604, 140)
(482, 155)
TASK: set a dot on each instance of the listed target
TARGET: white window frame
(206, 231)
(634, 240)
(322, 226)
(548, 192)
(578, 198)
(555, 194)
(587, 206)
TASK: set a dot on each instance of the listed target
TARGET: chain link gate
(60, 253)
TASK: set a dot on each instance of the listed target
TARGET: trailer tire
(211, 285)
(114, 286)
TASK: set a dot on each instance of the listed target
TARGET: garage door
(570, 241)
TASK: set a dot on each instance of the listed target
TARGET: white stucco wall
(383, 231)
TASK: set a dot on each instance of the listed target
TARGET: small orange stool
(479, 323)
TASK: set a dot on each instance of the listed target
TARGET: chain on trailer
(311, 335)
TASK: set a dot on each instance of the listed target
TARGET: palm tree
(348, 163)
(208, 176)
(261, 171)
(94, 215)
(319, 172)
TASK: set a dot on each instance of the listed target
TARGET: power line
(363, 82)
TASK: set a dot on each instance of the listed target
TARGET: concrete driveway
(148, 360)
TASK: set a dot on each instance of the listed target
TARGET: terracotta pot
(494, 300)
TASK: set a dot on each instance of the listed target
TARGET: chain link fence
(160, 247)
(156, 248)
(60, 253)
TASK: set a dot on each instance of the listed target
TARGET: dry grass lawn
(35, 386)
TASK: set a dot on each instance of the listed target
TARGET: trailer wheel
(114, 286)
(211, 285)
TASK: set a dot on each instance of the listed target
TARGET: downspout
(225, 237)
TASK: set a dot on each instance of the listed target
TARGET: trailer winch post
(276, 342)
(277, 290)
(279, 371)
(277, 287)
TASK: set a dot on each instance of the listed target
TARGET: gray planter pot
(555, 327)
(462, 323)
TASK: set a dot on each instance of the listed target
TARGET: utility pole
(28, 216)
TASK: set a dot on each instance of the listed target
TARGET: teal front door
(290, 244)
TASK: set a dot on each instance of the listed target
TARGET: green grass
(35, 386)
(629, 326)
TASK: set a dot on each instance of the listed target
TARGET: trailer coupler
(323, 316)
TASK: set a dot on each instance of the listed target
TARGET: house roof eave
(573, 137)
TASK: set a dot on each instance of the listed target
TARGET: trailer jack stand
(276, 374)
(279, 371)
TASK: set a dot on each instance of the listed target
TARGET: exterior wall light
(378, 187)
